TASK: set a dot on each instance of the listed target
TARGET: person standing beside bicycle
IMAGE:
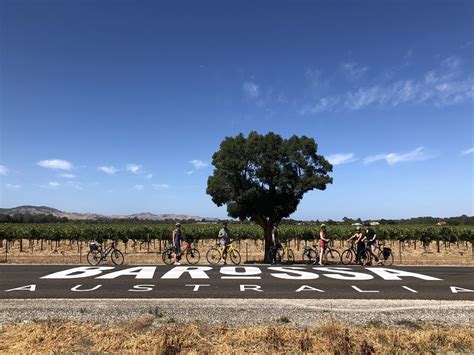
(323, 242)
(370, 237)
(357, 239)
(224, 236)
(276, 240)
(177, 236)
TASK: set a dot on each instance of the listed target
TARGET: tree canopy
(264, 177)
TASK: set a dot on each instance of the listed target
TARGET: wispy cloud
(148, 176)
(51, 185)
(344, 158)
(353, 70)
(134, 168)
(161, 186)
(58, 164)
(447, 85)
(108, 169)
(138, 187)
(75, 185)
(251, 90)
(393, 158)
(199, 164)
(12, 186)
(67, 176)
(3, 170)
(468, 151)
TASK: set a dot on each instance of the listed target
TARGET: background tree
(264, 178)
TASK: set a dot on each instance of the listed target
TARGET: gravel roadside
(239, 311)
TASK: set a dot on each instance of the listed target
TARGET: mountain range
(95, 216)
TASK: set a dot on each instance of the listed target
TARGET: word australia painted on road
(205, 277)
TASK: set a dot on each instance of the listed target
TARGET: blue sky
(116, 107)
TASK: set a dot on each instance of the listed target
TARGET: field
(146, 335)
(143, 243)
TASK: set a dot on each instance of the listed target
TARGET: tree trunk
(268, 241)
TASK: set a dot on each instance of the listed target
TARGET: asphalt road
(249, 281)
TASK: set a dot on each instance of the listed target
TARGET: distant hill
(161, 217)
(44, 210)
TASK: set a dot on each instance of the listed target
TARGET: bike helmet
(358, 228)
(323, 225)
(177, 225)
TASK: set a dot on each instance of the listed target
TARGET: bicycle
(350, 254)
(330, 255)
(384, 254)
(192, 254)
(95, 255)
(310, 254)
(275, 258)
(215, 254)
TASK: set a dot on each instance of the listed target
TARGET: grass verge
(148, 335)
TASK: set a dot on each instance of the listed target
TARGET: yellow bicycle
(216, 253)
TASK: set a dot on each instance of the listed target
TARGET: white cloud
(107, 169)
(199, 164)
(338, 159)
(251, 89)
(468, 151)
(138, 187)
(393, 158)
(447, 85)
(3, 170)
(67, 176)
(12, 187)
(51, 185)
(452, 62)
(134, 168)
(353, 70)
(190, 172)
(56, 164)
(325, 104)
(149, 176)
(161, 186)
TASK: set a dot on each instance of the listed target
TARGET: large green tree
(264, 177)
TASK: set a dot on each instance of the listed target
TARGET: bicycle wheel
(309, 256)
(235, 257)
(364, 258)
(290, 257)
(386, 261)
(193, 256)
(272, 256)
(168, 257)
(346, 257)
(213, 256)
(117, 257)
(94, 257)
(332, 256)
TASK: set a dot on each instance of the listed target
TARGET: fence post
(400, 250)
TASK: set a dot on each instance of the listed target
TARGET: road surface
(245, 281)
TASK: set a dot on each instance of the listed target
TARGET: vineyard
(194, 232)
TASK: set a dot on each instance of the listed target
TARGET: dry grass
(251, 251)
(148, 335)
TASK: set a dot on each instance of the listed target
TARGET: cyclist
(224, 235)
(177, 235)
(370, 236)
(356, 239)
(323, 242)
(276, 240)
